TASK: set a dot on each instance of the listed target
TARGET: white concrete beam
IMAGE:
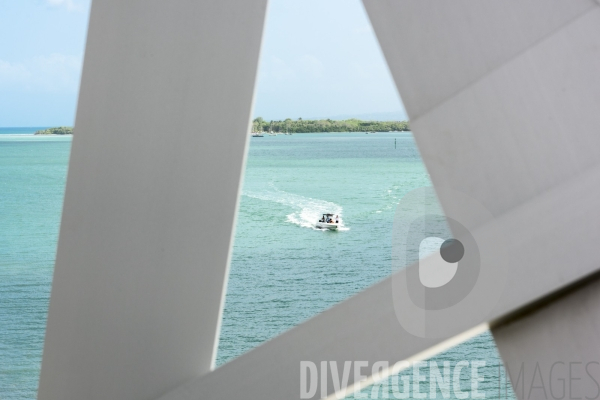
(553, 351)
(157, 158)
(514, 93)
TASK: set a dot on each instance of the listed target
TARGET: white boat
(328, 222)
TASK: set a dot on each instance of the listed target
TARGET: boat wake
(307, 210)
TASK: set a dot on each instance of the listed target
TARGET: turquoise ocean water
(283, 270)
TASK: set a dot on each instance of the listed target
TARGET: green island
(61, 130)
(326, 125)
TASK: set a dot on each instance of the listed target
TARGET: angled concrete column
(501, 95)
(157, 158)
(503, 100)
(553, 350)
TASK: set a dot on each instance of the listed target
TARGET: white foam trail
(307, 210)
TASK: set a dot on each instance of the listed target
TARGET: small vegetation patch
(61, 130)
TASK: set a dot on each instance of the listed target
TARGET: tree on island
(257, 124)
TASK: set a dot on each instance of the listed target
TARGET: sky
(320, 59)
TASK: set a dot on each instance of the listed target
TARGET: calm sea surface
(283, 270)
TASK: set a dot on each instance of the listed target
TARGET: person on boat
(328, 220)
(337, 220)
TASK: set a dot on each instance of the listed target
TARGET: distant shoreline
(61, 130)
(288, 125)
